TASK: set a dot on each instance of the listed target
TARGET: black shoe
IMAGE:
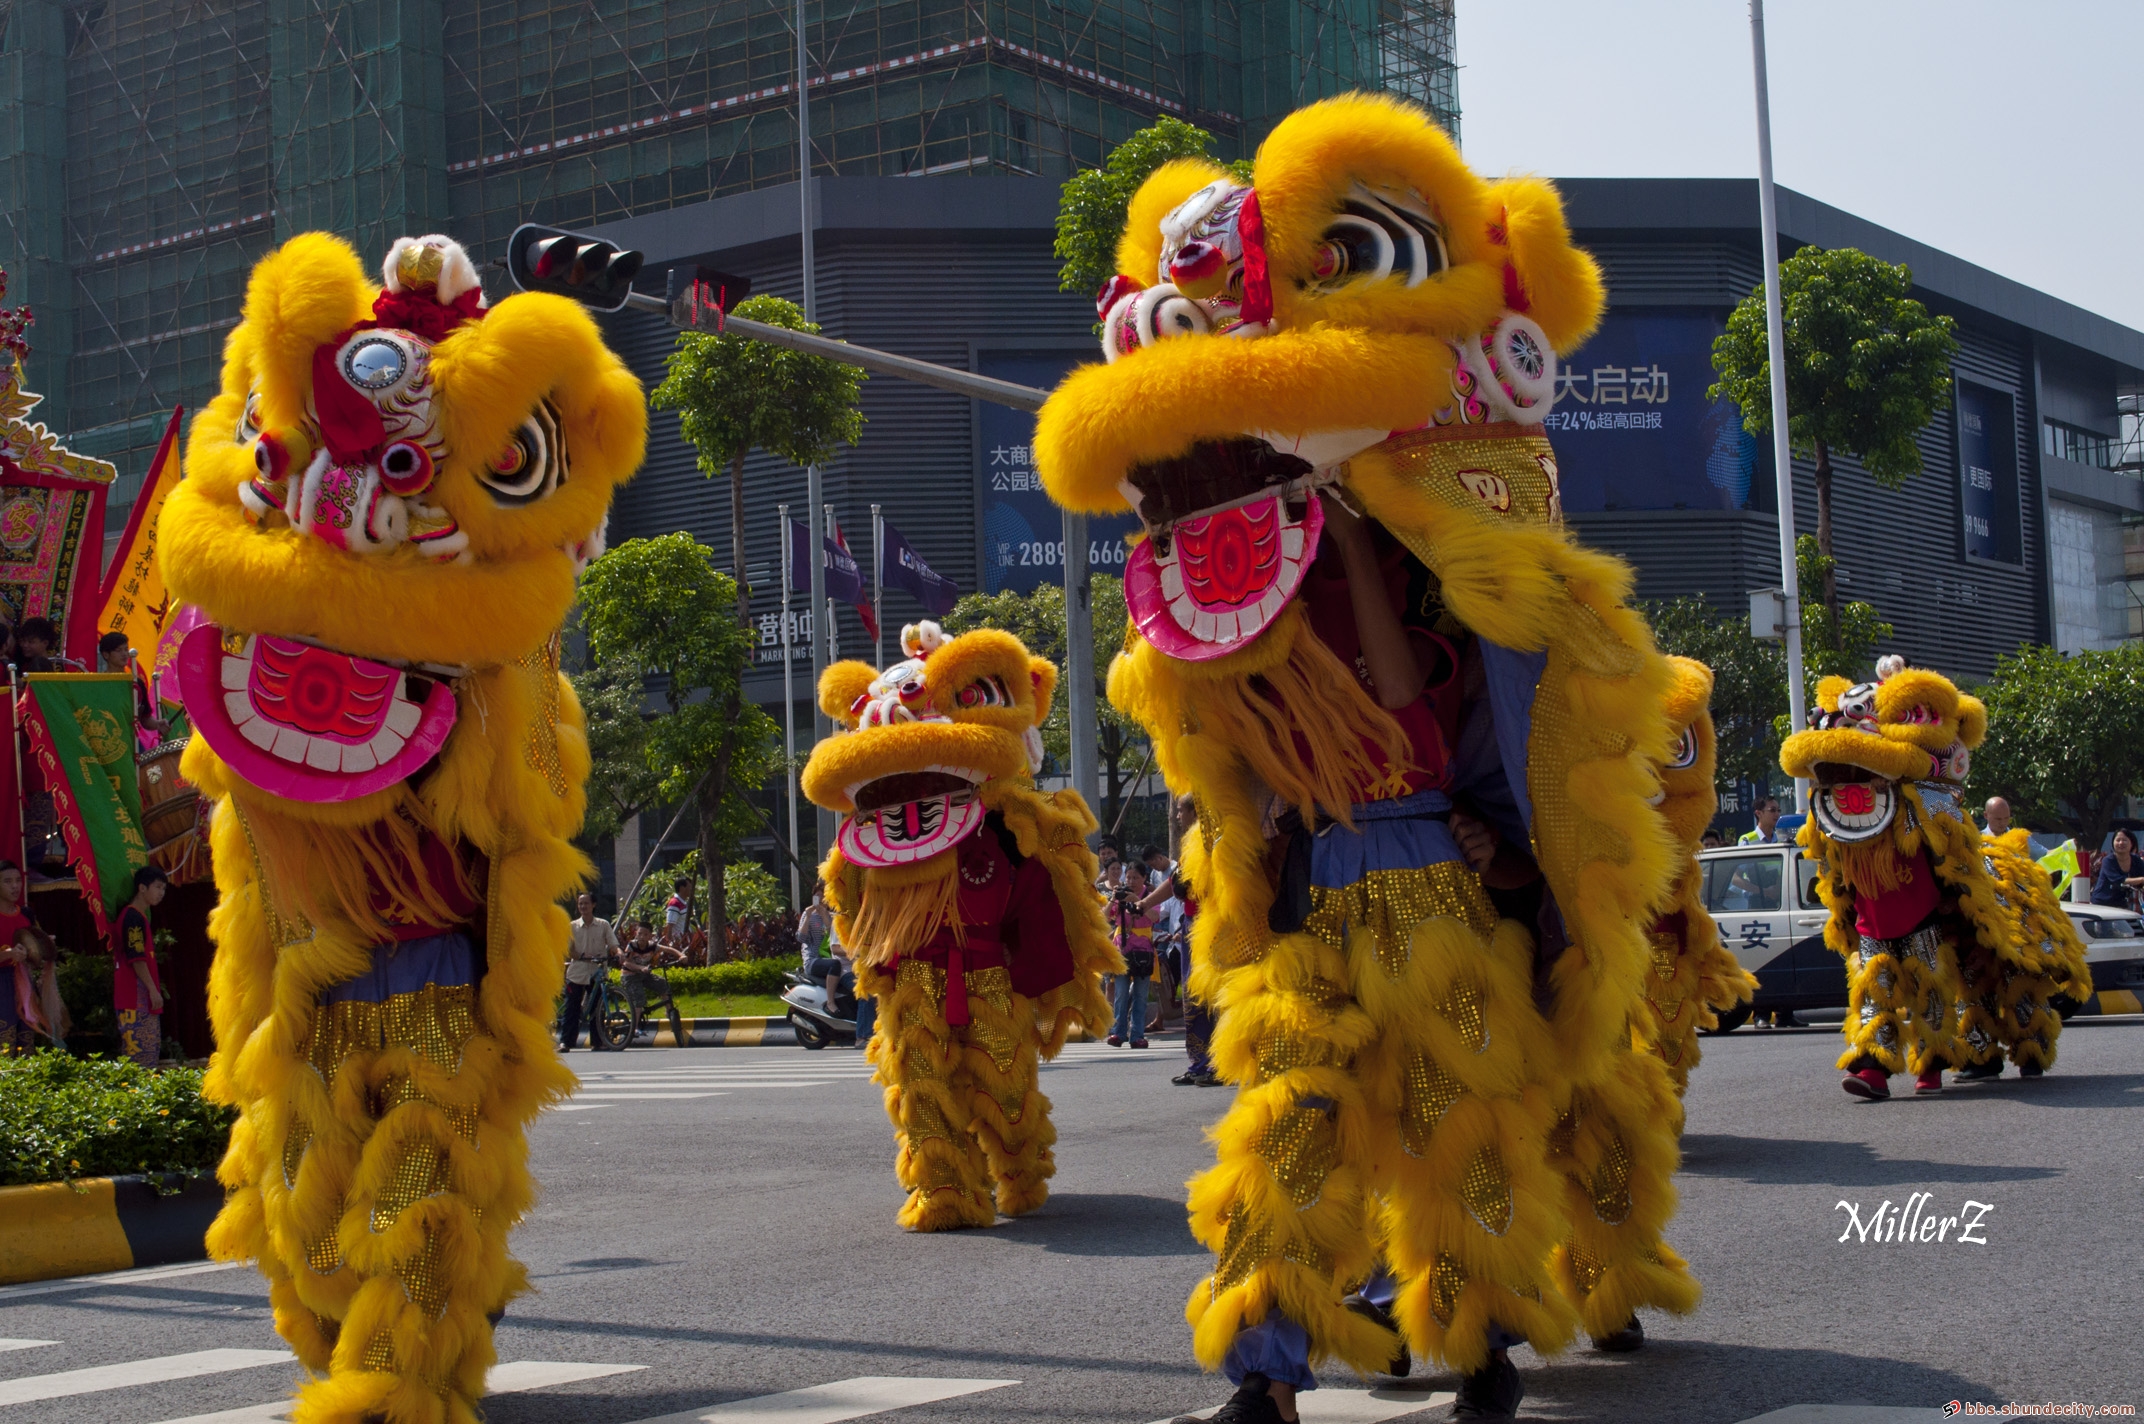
(1980, 1072)
(1250, 1404)
(1622, 1342)
(1210, 1079)
(1186, 1079)
(1491, 1392)
(2030, 1070)
(1370, 1310)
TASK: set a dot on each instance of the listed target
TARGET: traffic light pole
(883, 363)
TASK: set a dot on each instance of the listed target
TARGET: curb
(97, 1224)
(731, 1033)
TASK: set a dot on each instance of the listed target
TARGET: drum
(168, 803)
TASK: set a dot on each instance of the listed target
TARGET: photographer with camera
(1133, 924)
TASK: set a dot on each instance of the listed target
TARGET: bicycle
(611, 1024)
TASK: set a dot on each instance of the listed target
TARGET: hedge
(739, 976)
(64, 1117)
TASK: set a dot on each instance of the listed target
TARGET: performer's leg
(1471, 1207)
(2029, 1022)
(1876, 1010)
(1982, 1016)
(1617, 1146)
(1008, 1114)
(1929, 996)
(1284, 1207)
(919, 1061)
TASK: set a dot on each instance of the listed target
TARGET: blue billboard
(1022, 532)
(1632, 426)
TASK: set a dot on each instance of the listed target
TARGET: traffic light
(696, 293)
(592, 272)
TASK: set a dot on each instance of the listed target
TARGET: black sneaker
(1980, 1072)
(1186, 1079)
(1622, 1342)
(1368, 1309)
(1210, 1079)
(1491, 1392)
(2030, 1070)
(1250, 1404)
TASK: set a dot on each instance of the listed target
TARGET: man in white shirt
(1767, 832)
(1997, 813)
(587, 961)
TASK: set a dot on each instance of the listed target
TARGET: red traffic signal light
(592, 272)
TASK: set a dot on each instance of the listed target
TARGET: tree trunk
(713, 791)
(744, 593)
(1110, 745)
(1823, 535)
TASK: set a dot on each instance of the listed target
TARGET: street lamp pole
(1776, 346)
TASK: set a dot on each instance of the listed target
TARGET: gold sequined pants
(1902, 997)
(1390, 1109)
(973, 1128)
(2007, 1006)
(378, 1214)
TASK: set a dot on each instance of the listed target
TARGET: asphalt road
(717, 1226)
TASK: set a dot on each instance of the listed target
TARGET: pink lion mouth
(310, 723)
(1225, 578)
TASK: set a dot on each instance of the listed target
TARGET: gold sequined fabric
(1427, 1092)
(1388, 904)
(541, 750)
(1487, 1191)
(1465, 1009)
(435, 1022)
(1611, 1183)
(1243, 1250)
(1447, 1278)
(1300, 1147)
(1586, 1270)
(993, 987)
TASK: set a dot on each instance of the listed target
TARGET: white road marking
(1849, 1414)
(831, 1403)
(644, 1097)
(6, 1345)
(136, 1372)
(1356, 1406)
(519, 1377)
(114, 1278)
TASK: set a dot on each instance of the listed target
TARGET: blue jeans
(1131, 1007)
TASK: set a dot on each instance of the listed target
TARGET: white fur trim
(457, 274)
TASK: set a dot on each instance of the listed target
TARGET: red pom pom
(1115, 290)
(1199, 270)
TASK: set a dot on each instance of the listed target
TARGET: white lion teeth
(1250, 620)
(1202, 626)
(1224, 628)
(259, 733)
(358, 758)
(1172, 581)
(289, 744)
(1291, 541)
(323, 754)
(403, 717)
(236, 671)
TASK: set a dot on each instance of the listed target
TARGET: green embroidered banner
(81, 733)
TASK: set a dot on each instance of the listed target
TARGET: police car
(1763, 897)
(2114, 948)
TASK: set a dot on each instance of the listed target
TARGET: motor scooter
(817, 1021)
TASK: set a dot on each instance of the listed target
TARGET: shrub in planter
(739, 976)
(64, 1117)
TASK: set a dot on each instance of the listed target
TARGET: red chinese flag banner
(134, 601)
(51, 524)
(79, 727)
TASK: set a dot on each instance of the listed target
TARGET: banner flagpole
(833, 636)
(789, 712)
(878, 594)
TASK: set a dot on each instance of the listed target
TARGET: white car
(2114, 948)
(1763, 897)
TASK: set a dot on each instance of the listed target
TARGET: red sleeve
(1039, 953)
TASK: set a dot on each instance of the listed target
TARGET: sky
(1988, 130)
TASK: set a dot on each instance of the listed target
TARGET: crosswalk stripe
(644, 1097)
(831, 1403)
(159, 1370)
(518, 1377)
(1356, 1406)
(113, 1279)
(6, 1345)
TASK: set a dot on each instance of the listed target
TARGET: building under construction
(151, 150)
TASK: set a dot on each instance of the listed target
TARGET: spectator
(137, 995)
(2121, 873)
(813, 927)
(677, 911)
(1711, 839)
(21, 1013)
(640, 961)
(43, 959)
(1112, 862)
(1168, 910)
(1997, 815)
(114, 655)
(1135, 938)
(587, 962)
(1767, 832)
(35, 642)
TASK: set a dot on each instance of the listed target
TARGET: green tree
(749, 890)
(621, 784)
(1092, 205)
(657, 610)
(1749, 683)
(1838, 639)
(1867, 368)
(1038, 620)
(734, 395)
(2065, 737)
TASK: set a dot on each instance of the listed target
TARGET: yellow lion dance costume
(1421, 727)
(1695, 977)
(1954, 943)
(967, 898)
(384, 513)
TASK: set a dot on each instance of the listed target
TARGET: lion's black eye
(1374, 236)
(533, 463)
